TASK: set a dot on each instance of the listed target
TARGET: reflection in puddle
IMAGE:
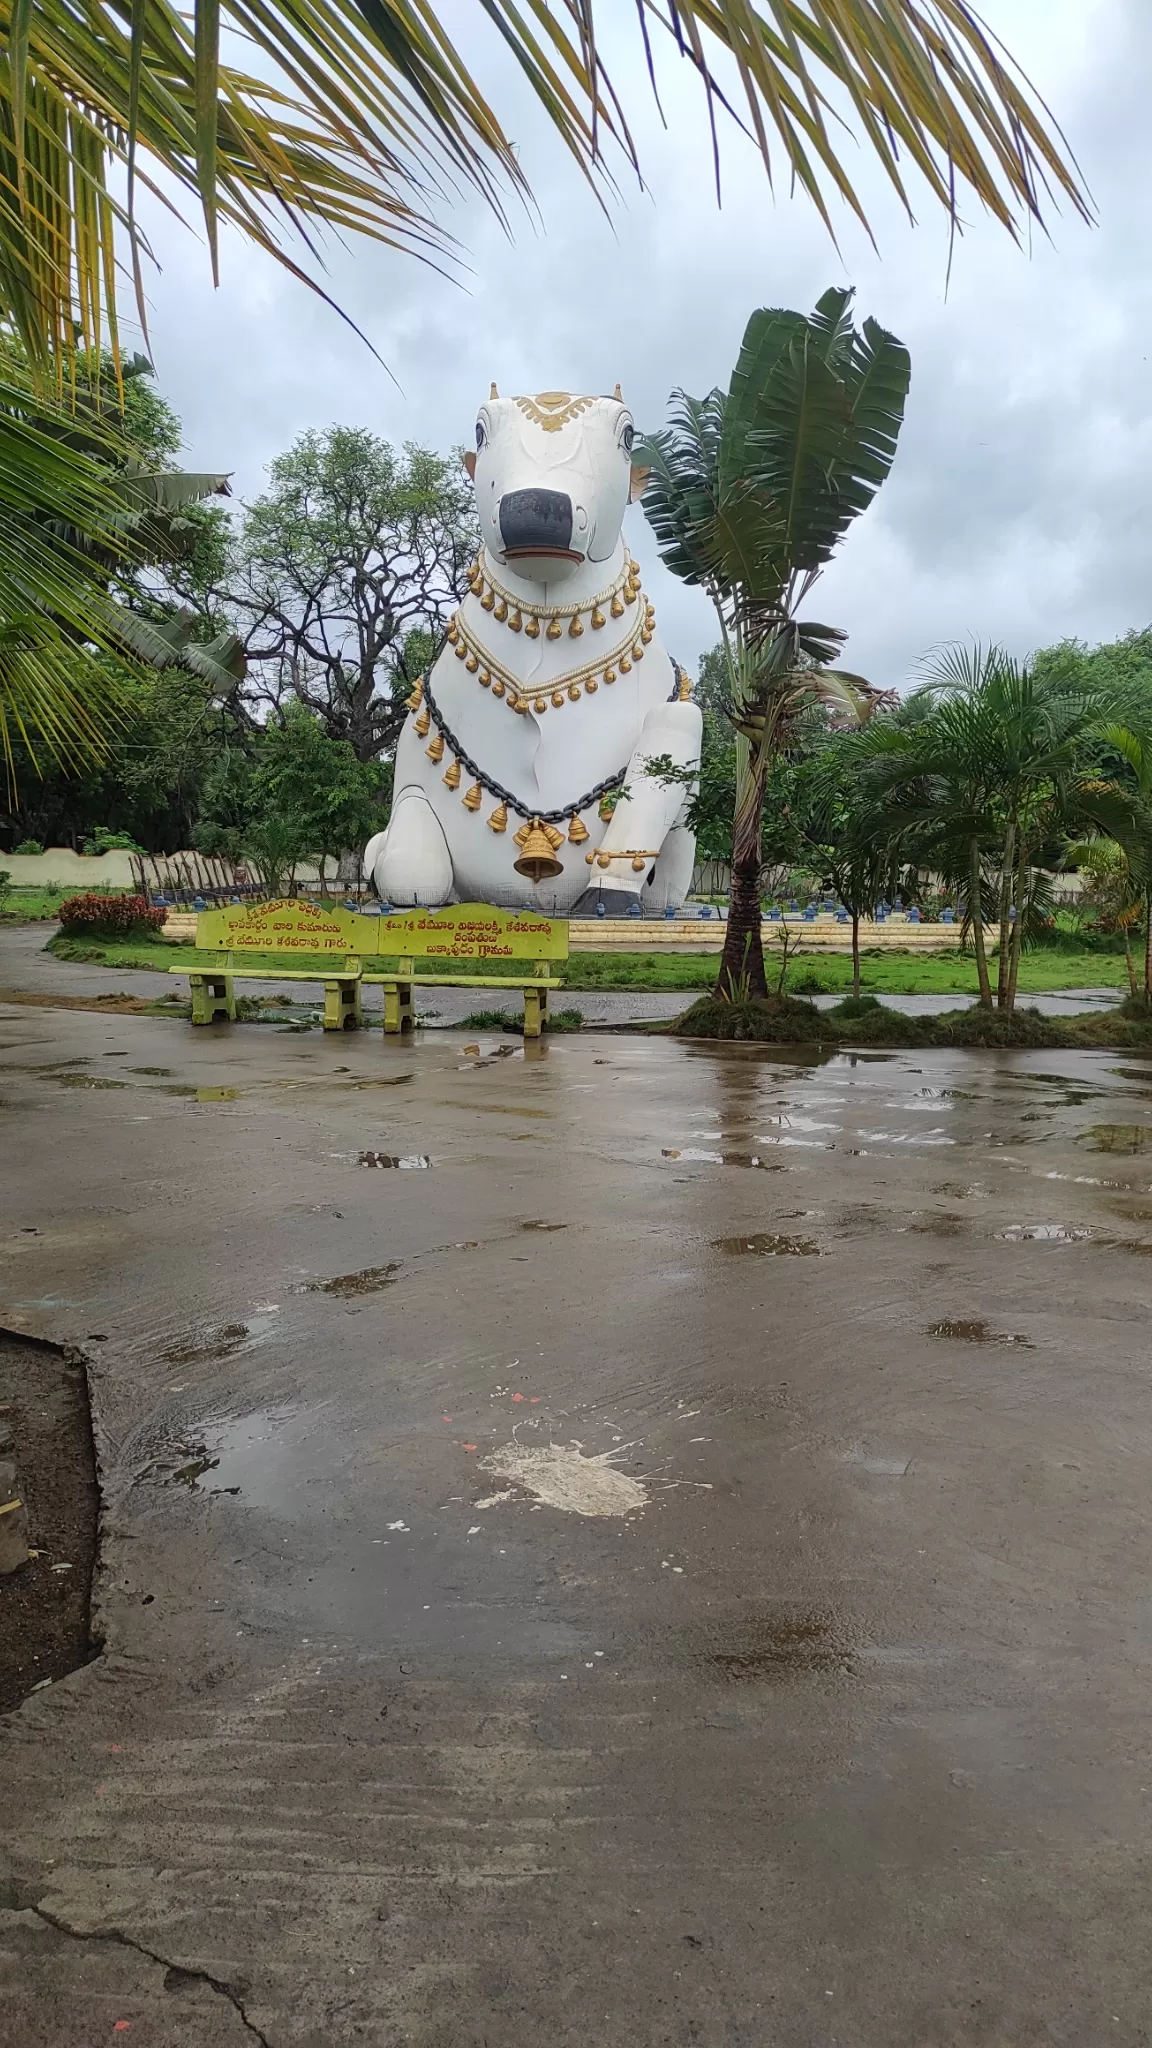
(1127, 1139)
(536, 1224)
(252, 1455)
(415, 1159)
(764, 1244)
(774, 1647)
(217, 1094)
(973, 1333)
(1044, 1233)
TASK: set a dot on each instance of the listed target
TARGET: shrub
(851, 1007)
(111, 917)
(5, 884)
(28, 846)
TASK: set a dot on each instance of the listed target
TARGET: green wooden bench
(213, 993)
(399, 1007)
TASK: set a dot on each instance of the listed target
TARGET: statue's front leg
(621, 867)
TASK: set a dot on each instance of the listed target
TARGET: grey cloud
(1019, 506)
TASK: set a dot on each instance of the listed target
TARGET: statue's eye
(479, 435)
(628, 438)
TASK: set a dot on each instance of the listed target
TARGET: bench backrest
(462, 932)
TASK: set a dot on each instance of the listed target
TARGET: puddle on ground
(1045, 1233)
(974, 1333)
(44, 1066)
(368, 1281)
(537, 1225)
(774, 1647)
(214, 1094)
(218, 1343)
(1143, 1074)
(414, 1159)
(88, 1081)
(1126, 1139)
(764, 1244)
(165, 1072)
(692, 1157)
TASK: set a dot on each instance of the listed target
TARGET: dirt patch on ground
(45, 1628)
(116, 1005)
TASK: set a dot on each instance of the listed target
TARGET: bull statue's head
(553, 475)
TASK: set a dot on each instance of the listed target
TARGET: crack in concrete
(116, 1934)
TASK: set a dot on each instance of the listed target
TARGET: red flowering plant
(111, 917)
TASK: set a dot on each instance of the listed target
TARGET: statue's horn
(618, 394)
(493, 393)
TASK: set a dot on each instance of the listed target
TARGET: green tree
(318, 784)
(847, 835)
(749, 494)
(345, 573)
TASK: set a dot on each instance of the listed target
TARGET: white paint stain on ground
(560, 1476)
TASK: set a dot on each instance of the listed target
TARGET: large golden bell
(537, 860)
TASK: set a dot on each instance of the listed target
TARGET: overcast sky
(1018, 508)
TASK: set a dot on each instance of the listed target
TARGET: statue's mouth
(542, 554)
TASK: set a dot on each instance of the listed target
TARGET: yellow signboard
(461, 931)
(290, 925)
(473, 931)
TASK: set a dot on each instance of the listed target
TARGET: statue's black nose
(536, 522)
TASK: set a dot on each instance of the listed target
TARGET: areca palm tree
(1135, 752)
(749, 492)
(986, 775)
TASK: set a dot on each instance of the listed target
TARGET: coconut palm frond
(363, 116)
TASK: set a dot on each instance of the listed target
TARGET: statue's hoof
(617, 903)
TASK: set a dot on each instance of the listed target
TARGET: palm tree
(748, 494)
(1108, 871)
(1135, 751)
(362, 117)
(985, 776)
(365, 118)
(86, 512)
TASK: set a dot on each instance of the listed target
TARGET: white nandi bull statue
(551, 691)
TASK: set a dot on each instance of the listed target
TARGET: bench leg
(399, 1011)
(342, 1006)
(212, 997)
(535, 1011)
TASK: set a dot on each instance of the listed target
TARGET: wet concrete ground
(666, 1562)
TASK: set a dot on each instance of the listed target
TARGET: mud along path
(617, 1542)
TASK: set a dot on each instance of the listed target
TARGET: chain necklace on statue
(427, 715)
(559, 690)
(520, 615)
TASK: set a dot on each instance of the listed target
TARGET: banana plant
(749, 493)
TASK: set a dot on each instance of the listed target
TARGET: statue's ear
(639, 481)
(469, 460)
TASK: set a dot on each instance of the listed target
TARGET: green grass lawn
(36, 906)
(1047, 968)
